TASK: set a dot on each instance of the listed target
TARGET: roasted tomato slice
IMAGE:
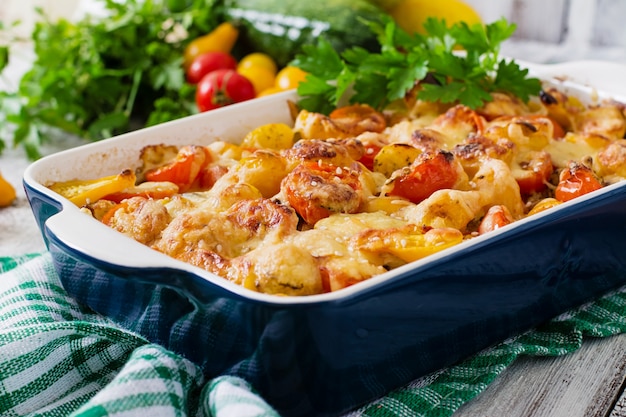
(533, 172)
(574, 181)
(431, 171)
(369, 155)
(316, 190)
(359, 118)
(495, 218)
(184, 169)
(209, 176)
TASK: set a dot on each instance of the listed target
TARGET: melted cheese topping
(334, 210)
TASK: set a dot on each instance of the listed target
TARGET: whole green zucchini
(279, 28)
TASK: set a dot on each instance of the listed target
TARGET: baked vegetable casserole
(333, 200)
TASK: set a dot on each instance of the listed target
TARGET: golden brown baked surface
(335, 200)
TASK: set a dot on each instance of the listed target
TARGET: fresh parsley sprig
(103, 75)
(452, 64)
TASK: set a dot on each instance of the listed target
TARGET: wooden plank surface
(608, 24)
(586, 383)
(620, 407)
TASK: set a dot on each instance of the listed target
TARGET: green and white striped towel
(58, 358)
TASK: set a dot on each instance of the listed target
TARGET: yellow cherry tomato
(544, 204)
(289, 77)
(221, 39)
(260, 77)
(256, 60)
(7, 192)
(276, 136)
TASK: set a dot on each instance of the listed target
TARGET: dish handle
(83, 235)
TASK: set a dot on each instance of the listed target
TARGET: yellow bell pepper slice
(81, 192)
(412, 247)
(408, 243)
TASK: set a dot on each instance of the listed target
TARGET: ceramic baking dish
(325, 354)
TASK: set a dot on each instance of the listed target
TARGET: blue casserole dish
(326, 354)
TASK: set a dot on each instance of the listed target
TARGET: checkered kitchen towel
(58, 358)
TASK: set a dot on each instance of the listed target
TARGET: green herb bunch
(452, 64)
(99, 76)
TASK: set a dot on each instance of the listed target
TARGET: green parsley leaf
(313, 55)
(510, 77)
(102, 76)
(378, 78)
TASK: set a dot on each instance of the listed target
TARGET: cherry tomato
(289, 77)
(574, 181)
(209, 62)
(184, 169)
(209, 176)
(535, 172)
(558, 131)
(545, 204)
(496, 217)
(430, 172)
(316, 190)
(371, 150)
(359, 118)
(260, 77)
(258, 60)
(221, 88)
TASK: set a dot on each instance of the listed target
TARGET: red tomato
(221, 88)
(316, 190)
(576, 180)
(557, 130)
(209, 62)
(430, 172)
(360, 116)
(209, 176)
(184, 169)
(535, 173)
(495, 218)
(367, 159)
